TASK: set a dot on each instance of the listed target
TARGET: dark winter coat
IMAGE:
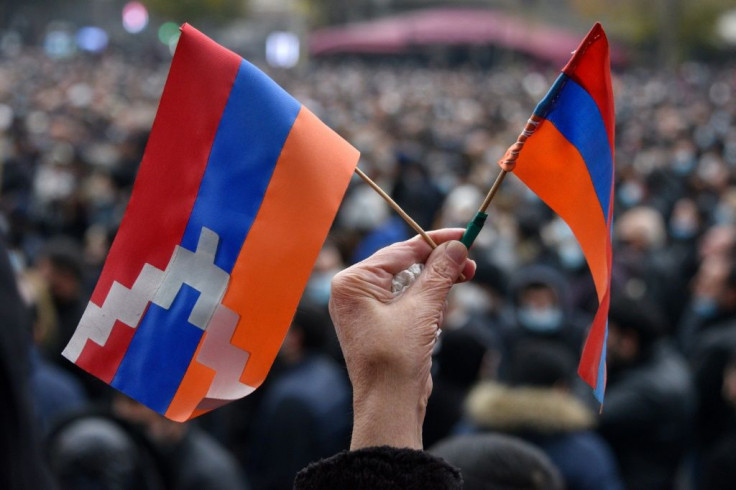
(553, 420)
(304, 416)
(648, 418)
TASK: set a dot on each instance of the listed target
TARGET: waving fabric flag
(237, 190)
(567, 159)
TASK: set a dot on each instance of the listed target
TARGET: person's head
(541, 364)
(493, 280)
(156, 427)
(634, 325)
(308, 333)
(497, 462)
(61, 265)
(537, 297)
(641, 229)
(714, 286)
(718, 240)
(98, 452)
(461, 354)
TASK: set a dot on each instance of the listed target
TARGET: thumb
(441, 271)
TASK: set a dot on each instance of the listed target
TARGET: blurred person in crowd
(498, 462)
(21, 464)
(61, 265)
(538, 406)
(712, 304)
(480, 303)
(719, 463)
(539, 308)
(95, 451)
(639, 264)
(329, 262)
(462, 356)
(367, 216)
(710, 352)
(470, 348)
(415, 191)
(650, 401)
(55, 392)
(685, 226)
(190, 459)
(304, 413)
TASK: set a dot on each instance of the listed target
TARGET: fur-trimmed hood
(492, 406)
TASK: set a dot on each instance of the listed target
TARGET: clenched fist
(387, 338)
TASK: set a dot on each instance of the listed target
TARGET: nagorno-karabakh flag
(236, 192)
(568, 161)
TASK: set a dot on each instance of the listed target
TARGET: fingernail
(457, 252)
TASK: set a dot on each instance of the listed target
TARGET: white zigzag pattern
(121, 304)
(227, 360)
(197, 270)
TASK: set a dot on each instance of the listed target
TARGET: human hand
(387, 339)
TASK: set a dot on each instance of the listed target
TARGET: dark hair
(314, 325)
(637, 315)
(94, 450)
(490, 275)
(460, 354)
(499, 462)
(541, 363)
(64, 253)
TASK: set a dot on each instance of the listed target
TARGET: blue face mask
(704, 307)
(318, 289)
(682, 231)
(683, 163)
(541, 320)
(571, 256)
(630, 194)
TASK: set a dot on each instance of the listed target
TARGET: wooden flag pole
(413, 224)
(492, 193)
(507, 164)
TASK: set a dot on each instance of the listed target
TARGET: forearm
(388, 416)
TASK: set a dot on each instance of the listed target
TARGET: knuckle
(442, 273)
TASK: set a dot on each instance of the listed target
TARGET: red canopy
(450, 26)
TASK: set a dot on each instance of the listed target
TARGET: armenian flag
(567, 159)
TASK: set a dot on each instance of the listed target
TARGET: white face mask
(542, 320)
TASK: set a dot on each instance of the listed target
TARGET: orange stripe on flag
(556, 171)
(192, 389)
(307, 186)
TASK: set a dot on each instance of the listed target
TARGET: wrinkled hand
(387, 339)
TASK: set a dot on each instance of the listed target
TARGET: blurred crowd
(72, 134)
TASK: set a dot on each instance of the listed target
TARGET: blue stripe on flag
(160, 352)
(576, 115)
(255, 123)
(600, 385)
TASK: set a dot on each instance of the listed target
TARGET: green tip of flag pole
(473, 228)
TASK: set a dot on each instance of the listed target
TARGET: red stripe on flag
(103, 361)
(200, 79)
(590, 68)
(590, 359)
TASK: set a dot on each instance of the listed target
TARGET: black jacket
(648, 418)
(381, 467)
